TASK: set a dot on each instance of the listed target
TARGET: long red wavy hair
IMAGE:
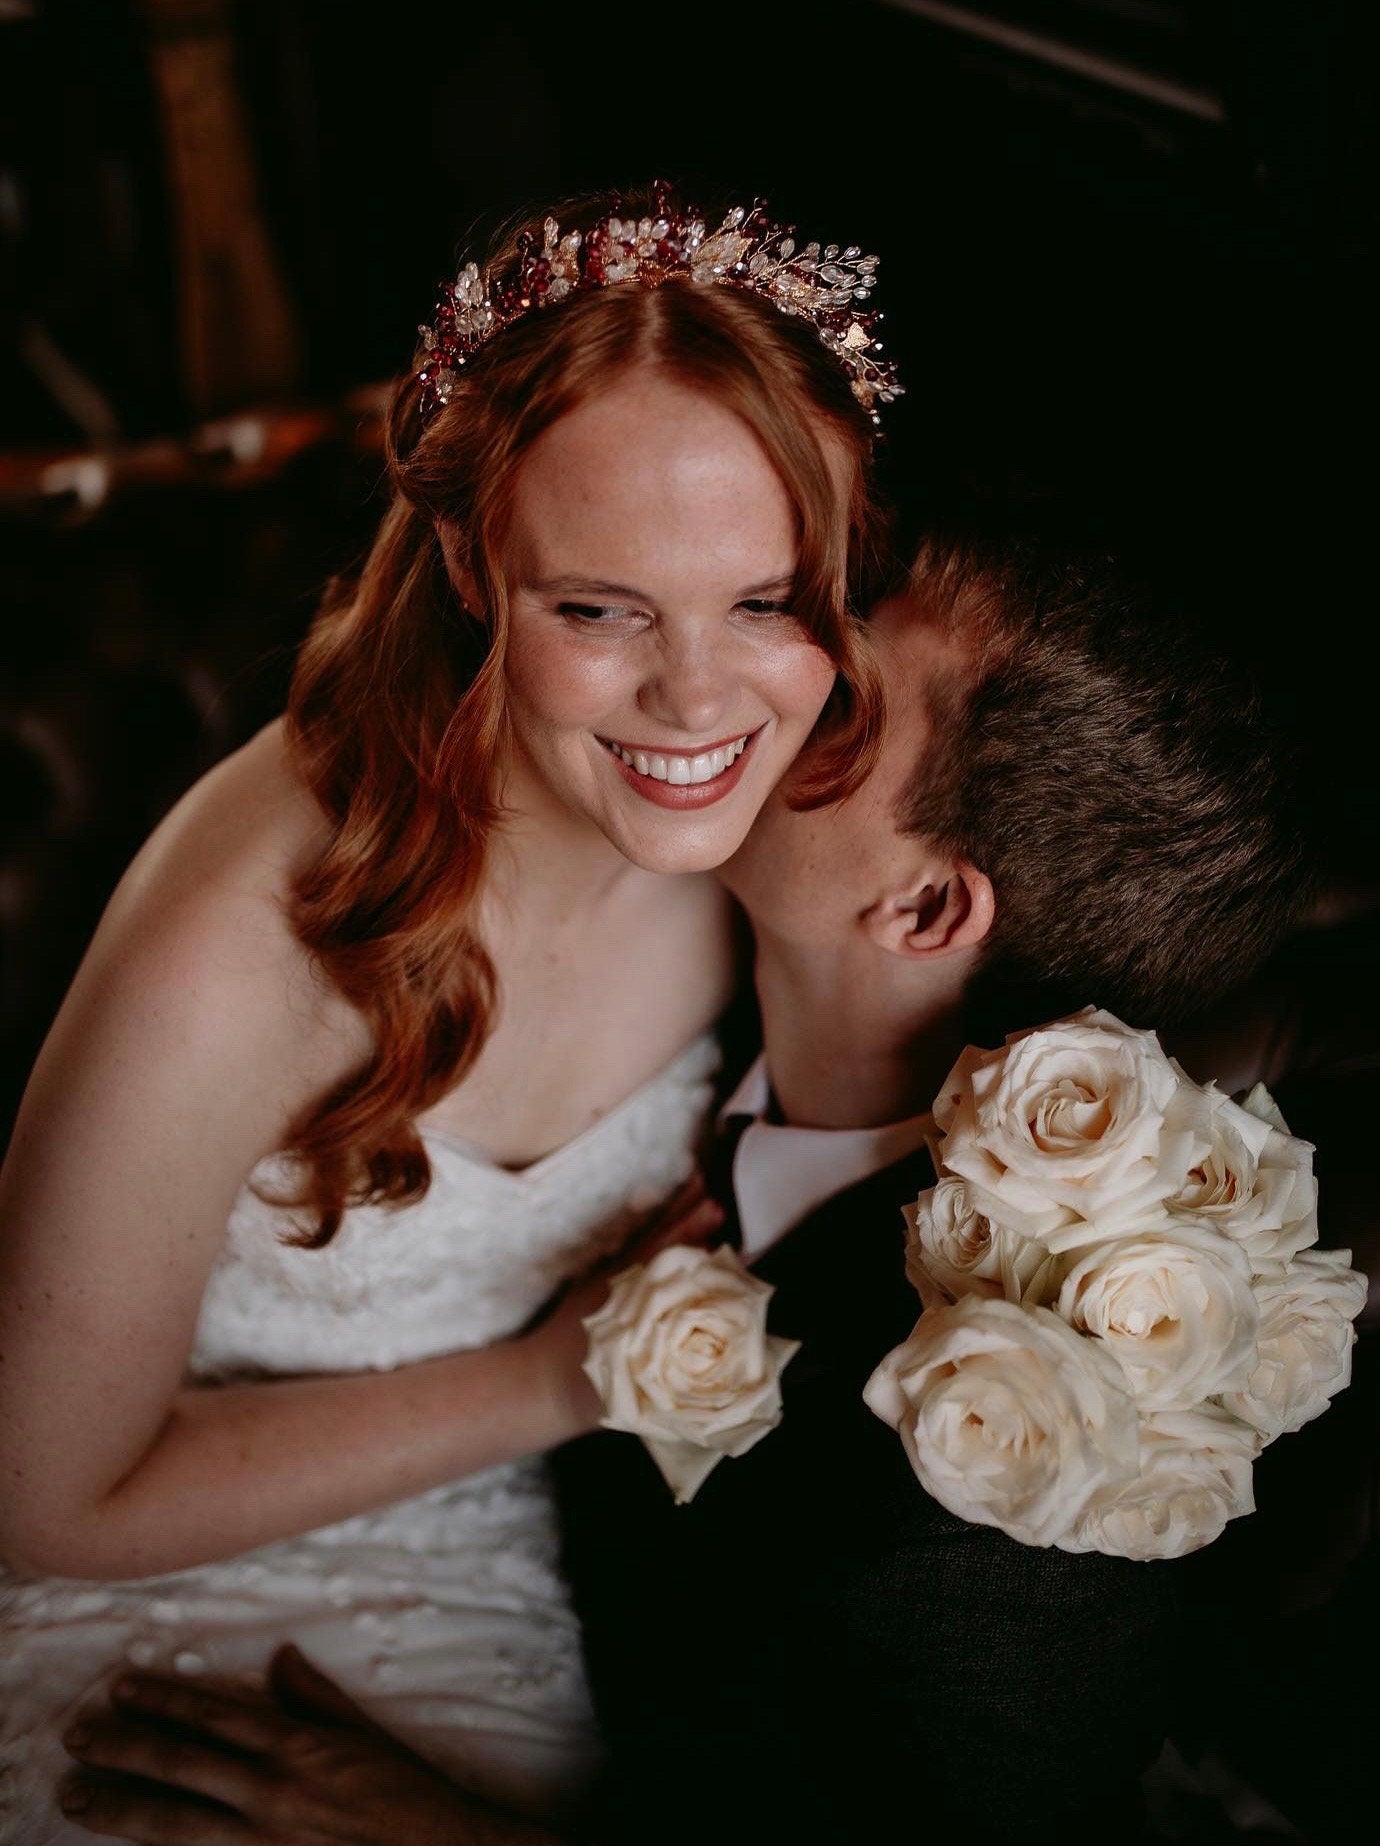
(396, 718)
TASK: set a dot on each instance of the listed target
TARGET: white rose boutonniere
(680, 1356)
(1121, 1301)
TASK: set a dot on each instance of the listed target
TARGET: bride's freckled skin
(651, 558)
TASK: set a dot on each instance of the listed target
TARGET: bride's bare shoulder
(210, 892)
(197, 1026)
(235, 837)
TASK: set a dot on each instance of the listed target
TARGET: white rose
(1195, 1474)
(1009, 1418)
(1263, 1106)
(1255, 1180)
(1306, 1336)
(680, 1355)
(954, 1247)
(1176, 1308)
(1083, 1119)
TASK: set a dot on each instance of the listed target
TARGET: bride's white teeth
(682, 770)
(713, 763)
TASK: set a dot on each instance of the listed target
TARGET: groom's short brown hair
(1113, 776)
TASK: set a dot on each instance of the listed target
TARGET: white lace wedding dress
(446, 1615)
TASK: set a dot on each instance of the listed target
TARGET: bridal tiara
(748, 250)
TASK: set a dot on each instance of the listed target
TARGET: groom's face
(808, 878)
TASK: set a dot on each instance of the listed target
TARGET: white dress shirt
(780, 1174)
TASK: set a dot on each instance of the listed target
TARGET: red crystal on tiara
(824, 286)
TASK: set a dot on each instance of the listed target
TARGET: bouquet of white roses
(1122, 1301)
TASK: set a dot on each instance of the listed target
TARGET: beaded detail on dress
(446, 1615)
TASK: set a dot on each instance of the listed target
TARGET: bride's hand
(558, 1344)
(298, 1765)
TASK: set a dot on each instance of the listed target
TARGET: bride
(403, 1018)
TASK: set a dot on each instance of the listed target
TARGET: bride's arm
(193, 1034)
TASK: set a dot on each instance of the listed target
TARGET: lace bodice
(468, 1263)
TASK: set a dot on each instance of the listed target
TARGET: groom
(1074, 804)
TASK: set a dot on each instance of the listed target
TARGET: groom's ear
(945, 908)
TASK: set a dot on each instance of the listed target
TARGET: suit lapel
(867, 1216)
(840, 1275)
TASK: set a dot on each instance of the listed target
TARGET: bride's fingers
(687, 1195)
(135, 1746)
(696, 1226)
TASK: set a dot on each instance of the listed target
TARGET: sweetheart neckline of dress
(467, 1151)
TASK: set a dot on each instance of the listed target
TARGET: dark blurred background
(1126, 250)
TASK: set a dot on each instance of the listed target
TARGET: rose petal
(684, 1465)
(679, 1355)
(1008, 1417)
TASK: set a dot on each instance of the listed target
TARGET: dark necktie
(718, 1174)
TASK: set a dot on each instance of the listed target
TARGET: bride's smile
(678, 781)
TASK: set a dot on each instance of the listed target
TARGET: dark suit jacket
(815, 1650)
